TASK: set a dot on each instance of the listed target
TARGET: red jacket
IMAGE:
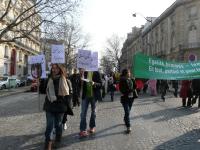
(185, 87)
(139, 84)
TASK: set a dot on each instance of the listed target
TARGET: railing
(190, 45)
(26, 47)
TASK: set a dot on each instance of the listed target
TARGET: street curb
(13, 93)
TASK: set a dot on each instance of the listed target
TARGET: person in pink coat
(152, 86)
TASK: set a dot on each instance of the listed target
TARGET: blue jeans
(127, 108)
(54, 120)
(84, 107)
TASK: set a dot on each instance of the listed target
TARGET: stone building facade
(14, 55)
(174, 35)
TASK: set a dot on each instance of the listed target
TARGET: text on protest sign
(155, 68)
(87, 60)
(58, 54)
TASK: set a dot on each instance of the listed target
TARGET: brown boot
(48, 145)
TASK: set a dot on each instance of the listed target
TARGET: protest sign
(87, 60)
(38, 66)
(58, 54)
(94, 64)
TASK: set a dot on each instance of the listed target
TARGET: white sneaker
(65, 126)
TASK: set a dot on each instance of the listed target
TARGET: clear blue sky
(102, 18)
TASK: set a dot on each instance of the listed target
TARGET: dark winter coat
(164, 85)
(58, 106)
(175, 84)
(68, 99)
(126, 87)
(96, 78)
(196, 86)
(76, 84)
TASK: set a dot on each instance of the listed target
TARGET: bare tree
(28, 16)
(113, 50)
(106, 65)
(71, 34)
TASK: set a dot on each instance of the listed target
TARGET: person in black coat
(55, 105)
(76, 85)
(97, 89)
(164, 87)
(196, 91)
(175, 86)
(127, 86)
(91, 85)
(111, 85)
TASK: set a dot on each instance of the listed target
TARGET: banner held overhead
(154, 68)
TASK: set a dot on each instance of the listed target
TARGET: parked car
(3, 83)
(22, 82)
(18, 82)
(7, 82)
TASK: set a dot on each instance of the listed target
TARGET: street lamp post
(148, 20)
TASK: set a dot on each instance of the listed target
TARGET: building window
(173, 40)
(172, 20)
(5, 69)
(192, 34)
(193, 12)
(6, 52)
(20, 55)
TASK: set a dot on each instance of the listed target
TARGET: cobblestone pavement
(156, 125)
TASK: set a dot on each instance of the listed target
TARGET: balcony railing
(26, 47)
(190, 45)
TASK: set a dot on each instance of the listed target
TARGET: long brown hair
(62, 70)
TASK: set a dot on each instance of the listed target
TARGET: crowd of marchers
(82, 89)
(187, 90)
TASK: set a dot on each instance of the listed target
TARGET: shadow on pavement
(29, 105)
(74, 138)
(188, 141)
(21, 142)
(167, 114)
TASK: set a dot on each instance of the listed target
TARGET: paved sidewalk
(13, 91)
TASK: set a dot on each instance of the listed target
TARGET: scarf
(89, 89)
(62, 91)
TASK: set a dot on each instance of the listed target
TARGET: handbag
(135, 94)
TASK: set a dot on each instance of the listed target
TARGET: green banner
(153, 68)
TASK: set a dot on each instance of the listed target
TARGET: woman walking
(152, 86)
(127, 87)
(55, 107)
